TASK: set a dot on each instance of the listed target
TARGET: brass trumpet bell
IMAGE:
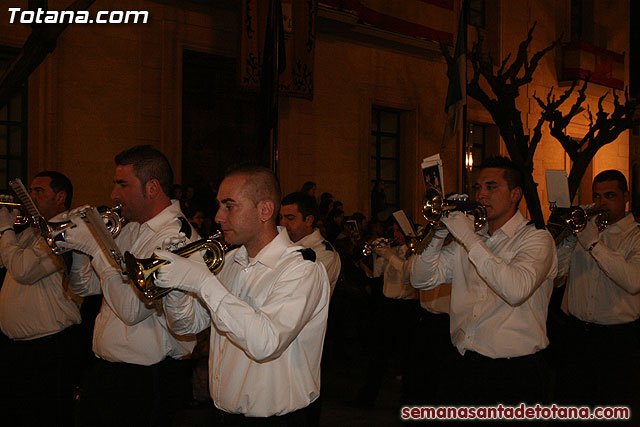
(573, 220)
(54, 231)
(142, 270)
(434, 207)
(378, 243)
(21, 219)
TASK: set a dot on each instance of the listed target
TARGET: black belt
(592, 327)
(299, 417)
(474, 356)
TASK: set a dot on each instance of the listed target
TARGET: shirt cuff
(212, 292)
(479, 252)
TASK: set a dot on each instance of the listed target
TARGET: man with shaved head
(268, 307)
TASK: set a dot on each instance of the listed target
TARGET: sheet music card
(432, 172)
(405, 224)
(558, 188)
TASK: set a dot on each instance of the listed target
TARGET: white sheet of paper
(558, 188)
(405, 225)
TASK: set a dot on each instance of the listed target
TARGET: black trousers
(599, 365)
(37, 379)
(396, 322)
(485, 381)
(305, 417)
(116, 394)
(432, 357)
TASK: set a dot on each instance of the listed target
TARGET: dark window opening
(13, 128)
(384, 154)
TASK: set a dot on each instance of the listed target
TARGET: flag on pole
(273, 64)
(457, 90)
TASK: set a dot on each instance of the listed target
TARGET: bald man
(268, 307)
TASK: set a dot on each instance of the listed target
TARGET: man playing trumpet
(600, 348)
(137, 378)
(37, 316)
(268, 309)
(501, 281)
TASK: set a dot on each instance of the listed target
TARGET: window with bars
(476, 13)
(13, 129)
(384, 149)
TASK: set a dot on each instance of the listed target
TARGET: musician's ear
(516, 195)
(266, 210)
(152, 188)
(60, 197)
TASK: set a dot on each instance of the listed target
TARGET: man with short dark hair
(39, 356)
(138, 378)
(601, 340)
(298, 214)
(501, 281)
(268, 309)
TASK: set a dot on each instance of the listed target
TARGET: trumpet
(434, 207)
(54, 231)
(381, 242)
(143, 270)
(574, 219)
(20, 219)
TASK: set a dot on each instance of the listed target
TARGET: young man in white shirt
(138, 377)
(37, 315)
(298, 214)
(501, 281)
(268, 309)
(600, 348)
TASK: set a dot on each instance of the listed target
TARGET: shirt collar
(158, 222)
(310, 239)
(270, 254)
(510, 227)
(624, 225)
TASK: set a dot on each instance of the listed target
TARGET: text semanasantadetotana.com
(521, 412)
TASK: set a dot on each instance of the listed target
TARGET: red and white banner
(583, 61)
(426, 19)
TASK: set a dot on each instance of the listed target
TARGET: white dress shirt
(396, 274)
(269, 318)
(325, 254)
(604, 285)
(436, 300)
(128, 329)
(500, 289)
(33, 303)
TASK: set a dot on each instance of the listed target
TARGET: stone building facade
(107, 87)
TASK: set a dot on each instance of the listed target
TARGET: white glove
(589, 236)
(441, 234)
(384, 252)
(182, 273)
(461, 226)
(174, 242)
(7, 218)
(80, 238)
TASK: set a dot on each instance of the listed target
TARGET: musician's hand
(385, 252)
(74, 212)
(80, 238)
(462, 228)
(589, 235)
(174, 242)
(7, 218)
(188, 274)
